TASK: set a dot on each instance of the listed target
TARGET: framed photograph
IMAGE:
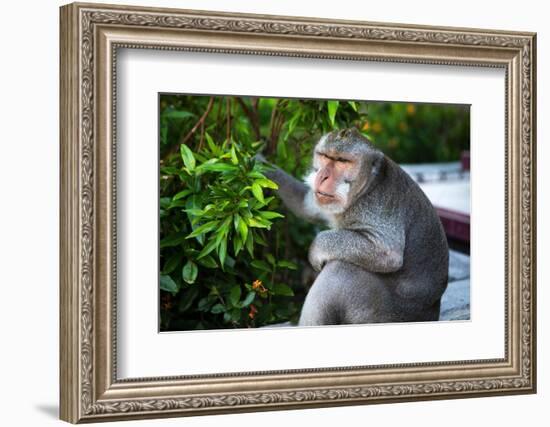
(266, 213)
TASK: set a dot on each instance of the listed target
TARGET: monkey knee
(314, 314)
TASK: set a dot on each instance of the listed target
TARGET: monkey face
(344, 163)
(331, 179)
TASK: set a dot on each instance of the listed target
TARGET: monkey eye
(342, 160)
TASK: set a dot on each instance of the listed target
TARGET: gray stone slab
(455, 302)
(459, 266)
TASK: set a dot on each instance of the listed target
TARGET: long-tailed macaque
(385, 257)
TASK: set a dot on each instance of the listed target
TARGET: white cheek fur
(342, 190)
(309, 179)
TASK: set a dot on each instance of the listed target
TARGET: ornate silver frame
(90, 35)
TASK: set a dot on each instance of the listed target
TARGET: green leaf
(167, 284)
(282, 289)
(257, 191)
(271, 259)
(177, 204)
(181, 195)
(258, 222)
(237, 244)
(218, 308)
(207, 249)
(266, 183)
(205, 303)
(235, 295)
(172, 262)
(250, 244)
(248, 300)
(189, 272)
(260, 265)
(287, 264)
(172, 240)
(222, 251)
(234, 158)
(270, 215)
(242, 228)
(255, 174)
(213, 147)
(332, 109)
(165, 202)
(208, 261)
(194, 212)
(217, 167)
(205, 228)
(353, 105)
(187, 157)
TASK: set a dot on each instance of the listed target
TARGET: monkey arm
(382, 253)
(296, 195)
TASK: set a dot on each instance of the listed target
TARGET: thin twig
(272, 126)
(202, 137)
(201, 120)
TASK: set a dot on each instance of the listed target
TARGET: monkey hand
(318, 256)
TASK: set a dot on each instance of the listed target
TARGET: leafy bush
(210, 233)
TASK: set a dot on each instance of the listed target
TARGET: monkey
(385, 255)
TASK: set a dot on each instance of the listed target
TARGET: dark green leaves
(282, 289)
(167, 284)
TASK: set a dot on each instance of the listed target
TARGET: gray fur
(385, 258)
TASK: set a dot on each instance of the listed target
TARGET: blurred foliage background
(231, 255)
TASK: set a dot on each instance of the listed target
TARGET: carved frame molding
(90, 36)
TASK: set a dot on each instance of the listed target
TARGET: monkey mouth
(325, 197)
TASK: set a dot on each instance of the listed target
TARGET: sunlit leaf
(187, 157)
(270, 215)
(332, 109)
(266, 183)
(234, 158)
(257, 191)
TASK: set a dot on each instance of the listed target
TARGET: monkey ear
(377, 163)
